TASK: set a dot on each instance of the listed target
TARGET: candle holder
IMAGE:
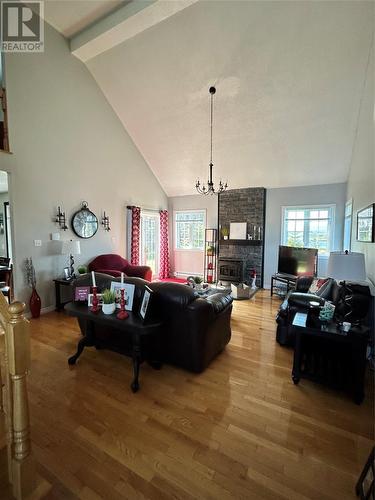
(95, 301)
(122, 314)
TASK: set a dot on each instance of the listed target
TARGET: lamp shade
(344, 266)
(72, 247)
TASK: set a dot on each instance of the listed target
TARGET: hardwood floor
(239, 430)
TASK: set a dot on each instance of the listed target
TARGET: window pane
(308, 227)
(190, 230)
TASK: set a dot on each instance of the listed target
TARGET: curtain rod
(129, 207)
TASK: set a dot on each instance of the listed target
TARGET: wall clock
(85, 222)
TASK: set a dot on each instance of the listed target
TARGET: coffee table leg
(136, 362)
(86, 341)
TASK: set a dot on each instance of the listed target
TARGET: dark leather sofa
(299, 300)
(114, 265)
(195, 329)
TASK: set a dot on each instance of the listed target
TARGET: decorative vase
(109, 308)
(35, 304)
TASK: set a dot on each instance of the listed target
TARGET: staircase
(15, 445)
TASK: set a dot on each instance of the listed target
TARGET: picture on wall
(237, 230)
(366, 224)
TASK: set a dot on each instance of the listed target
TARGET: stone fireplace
(242, 205)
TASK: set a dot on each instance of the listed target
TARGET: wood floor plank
(239, 430)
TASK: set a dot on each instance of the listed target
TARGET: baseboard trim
(44, 310)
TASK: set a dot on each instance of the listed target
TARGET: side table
(324, 354)
(59, 282)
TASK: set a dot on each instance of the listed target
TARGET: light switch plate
(37, 243)
(55, 236)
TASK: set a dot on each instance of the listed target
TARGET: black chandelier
(210, 189)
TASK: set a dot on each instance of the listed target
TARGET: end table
(59, 282)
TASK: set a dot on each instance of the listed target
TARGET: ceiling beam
(123, 24)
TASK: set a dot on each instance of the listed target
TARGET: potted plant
(225, 233)
(35, 302)
(109, 301)
(198, 282)
(210, 250)
(82, 269)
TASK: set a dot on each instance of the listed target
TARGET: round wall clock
(84, 222)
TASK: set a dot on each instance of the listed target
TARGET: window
(309, 227)
(348, 224)
(149, 241)
(190, 228)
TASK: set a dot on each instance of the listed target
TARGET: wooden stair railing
(14, 367)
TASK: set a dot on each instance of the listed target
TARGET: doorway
(5, 218)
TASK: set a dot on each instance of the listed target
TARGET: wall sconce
(61, 219)
(105, 222)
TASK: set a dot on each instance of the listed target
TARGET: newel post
(22, 471)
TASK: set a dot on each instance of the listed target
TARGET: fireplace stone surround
(243, 205)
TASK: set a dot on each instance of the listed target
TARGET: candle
(93, 278)
(122, 277)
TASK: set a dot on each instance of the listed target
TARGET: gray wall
(304, 195)
(361, 182)
(68, 145)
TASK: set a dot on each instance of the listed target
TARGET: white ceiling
(289, 77)
(71, 16)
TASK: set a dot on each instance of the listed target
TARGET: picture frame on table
(67, 273)
(146, 304)
(129, 288)
(90, 296)
(81, 293)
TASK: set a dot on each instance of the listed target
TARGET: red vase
(35, 304)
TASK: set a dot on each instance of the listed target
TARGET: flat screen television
(297, 261)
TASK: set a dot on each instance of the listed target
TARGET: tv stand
(288, 280)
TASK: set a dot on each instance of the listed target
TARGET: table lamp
(71, 248)
(347, 266)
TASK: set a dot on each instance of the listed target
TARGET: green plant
(82, 269)
(210, 250)
(108, 296)
(224, 231)
(197, 280)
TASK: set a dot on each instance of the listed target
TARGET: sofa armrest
(219, 301)
(298, 299)
(144, 272)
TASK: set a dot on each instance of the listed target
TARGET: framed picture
(66, 273)
(128, 294)
(144, 310)
(89, 299)
(366, 224)
(237, 230)
(81, 293)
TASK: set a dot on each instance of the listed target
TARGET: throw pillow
(321, 287)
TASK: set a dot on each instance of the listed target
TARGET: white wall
(190, 261)
(361, 182)
(304, 195)
(68, 145)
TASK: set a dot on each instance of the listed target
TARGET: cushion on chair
(321, 287)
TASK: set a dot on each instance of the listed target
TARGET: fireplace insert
(230, 270)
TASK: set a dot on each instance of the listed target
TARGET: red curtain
(164, 245)
(136, 233)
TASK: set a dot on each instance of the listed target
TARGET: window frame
(349, 218)
(195, 210)
(331, 233)
(156, 216)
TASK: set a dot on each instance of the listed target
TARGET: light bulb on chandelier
(210, 188)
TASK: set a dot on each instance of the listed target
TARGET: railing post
(22, 470)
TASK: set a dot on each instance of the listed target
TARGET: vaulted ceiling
(289, 79)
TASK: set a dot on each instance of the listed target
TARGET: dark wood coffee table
(324, 354)
(132, 329)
